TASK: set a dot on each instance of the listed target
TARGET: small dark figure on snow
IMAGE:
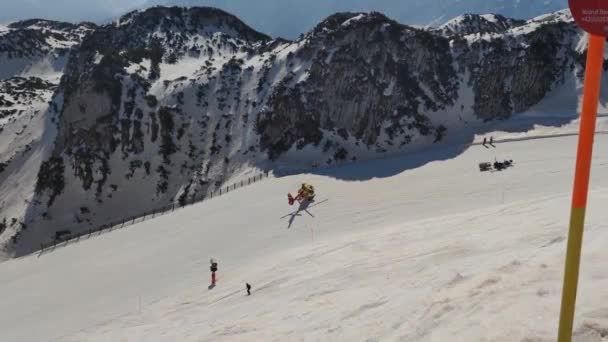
(491, 140)
(213, 269)
(248, 289)
(484, 141)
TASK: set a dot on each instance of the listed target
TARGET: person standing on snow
(248, 289)
(213, 269)
(484, 141)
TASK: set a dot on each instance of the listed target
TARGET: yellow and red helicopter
(305, 193)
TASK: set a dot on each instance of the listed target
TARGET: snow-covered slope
(387, 252)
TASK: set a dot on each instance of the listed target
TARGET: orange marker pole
(591, 94)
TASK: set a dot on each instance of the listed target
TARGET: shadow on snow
(396, 163)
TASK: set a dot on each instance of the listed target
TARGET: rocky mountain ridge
(168, 103)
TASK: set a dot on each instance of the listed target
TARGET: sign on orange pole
(591, 16)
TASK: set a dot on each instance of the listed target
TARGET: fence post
(134, 220)
(220, 191)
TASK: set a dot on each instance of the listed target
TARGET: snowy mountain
(290, 18)
(475, 23)
(169, 103)
(38, 47)
(442, 11)
(33, 55)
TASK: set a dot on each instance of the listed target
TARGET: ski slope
(440, 252)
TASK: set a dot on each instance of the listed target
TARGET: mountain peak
(48, 24)
(349, 21)
(479, 23)
(37, 37)
(558, 16)
(190, 20)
